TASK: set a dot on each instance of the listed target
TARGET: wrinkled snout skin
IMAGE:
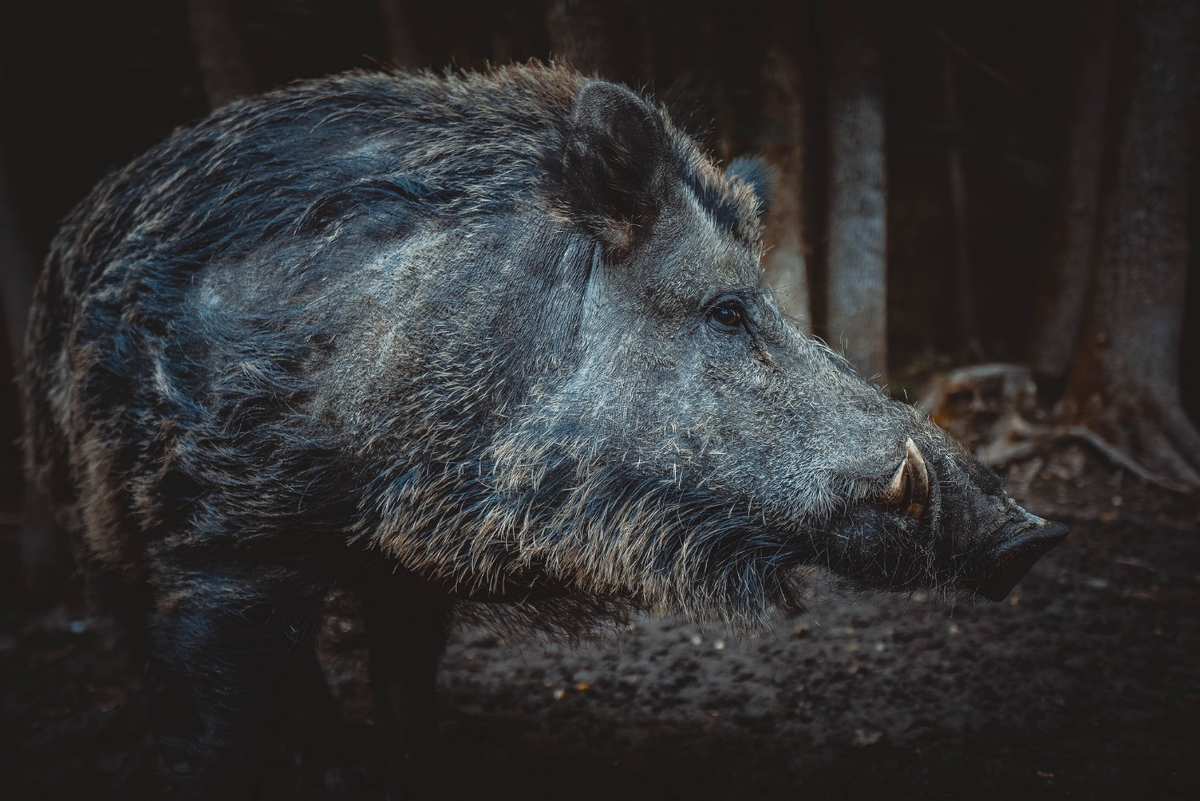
(483, 337)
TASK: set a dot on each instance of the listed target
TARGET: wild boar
(493, 337)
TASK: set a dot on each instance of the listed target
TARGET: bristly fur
(187, 409)
(492, 337)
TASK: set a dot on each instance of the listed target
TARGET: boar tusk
(909, 487)
(918, 480)
(894, 495)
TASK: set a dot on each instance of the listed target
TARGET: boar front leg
(407, 630)
(238, 641)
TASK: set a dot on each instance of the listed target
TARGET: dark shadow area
(1080, 685)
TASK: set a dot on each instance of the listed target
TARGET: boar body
(488, 337)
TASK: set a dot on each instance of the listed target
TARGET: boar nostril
(1012, 559)
(908, 491)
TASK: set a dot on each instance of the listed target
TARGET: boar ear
(612, 164)
(761, 178)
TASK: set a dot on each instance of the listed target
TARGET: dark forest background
(956, 181)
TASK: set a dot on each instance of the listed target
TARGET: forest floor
(1084, 683)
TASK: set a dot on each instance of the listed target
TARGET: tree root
(1015, 439)
(1000, 393)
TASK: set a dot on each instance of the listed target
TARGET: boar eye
(727, 316)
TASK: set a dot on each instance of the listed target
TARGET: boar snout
(999, 569)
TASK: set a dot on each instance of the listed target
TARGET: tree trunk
(1065, 280)
(579, 33)
(957, 180)
(786, 261)
(1125, 381)
(18, 269)
(857, 253)
(220, 50)
(46, 558)
(402, 48)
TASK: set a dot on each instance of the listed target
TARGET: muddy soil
(1082, 684)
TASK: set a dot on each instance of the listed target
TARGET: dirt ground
(1083, 684)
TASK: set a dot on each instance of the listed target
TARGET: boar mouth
(994, 573)
(990, 570)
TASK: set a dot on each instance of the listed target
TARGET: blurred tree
(579, 33)
(956, 176)
(613, 40)
(856, 260)
(16, 255)
(45, 557)
(784, 124)
(1124, 383)
(220, 49)
(401, 44)
(1065, 278)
